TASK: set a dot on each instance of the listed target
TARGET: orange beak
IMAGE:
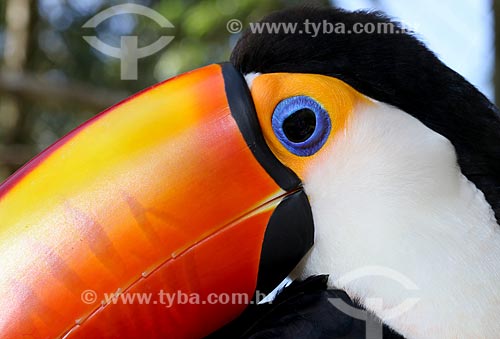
(170, 194)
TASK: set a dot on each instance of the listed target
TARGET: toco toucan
(355, 155)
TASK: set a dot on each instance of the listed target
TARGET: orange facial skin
(336, 97)
(160, 192)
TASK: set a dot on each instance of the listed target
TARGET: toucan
(355, 162)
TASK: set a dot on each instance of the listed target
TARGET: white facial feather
(389, 193)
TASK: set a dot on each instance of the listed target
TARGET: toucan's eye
(301, 124)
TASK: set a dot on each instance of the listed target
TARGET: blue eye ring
(301, 103)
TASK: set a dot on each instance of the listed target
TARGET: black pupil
(299, 126)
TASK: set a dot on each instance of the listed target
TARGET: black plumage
(395, 68)
(301, 310)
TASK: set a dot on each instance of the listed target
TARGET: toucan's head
(339, 150)
(399, 157)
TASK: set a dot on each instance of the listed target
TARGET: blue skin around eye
(291, 105)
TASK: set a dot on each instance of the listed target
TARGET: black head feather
(395, 68)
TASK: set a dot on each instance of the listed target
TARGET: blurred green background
(51, 80)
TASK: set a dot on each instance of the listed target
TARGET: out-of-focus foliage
(63, 81)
